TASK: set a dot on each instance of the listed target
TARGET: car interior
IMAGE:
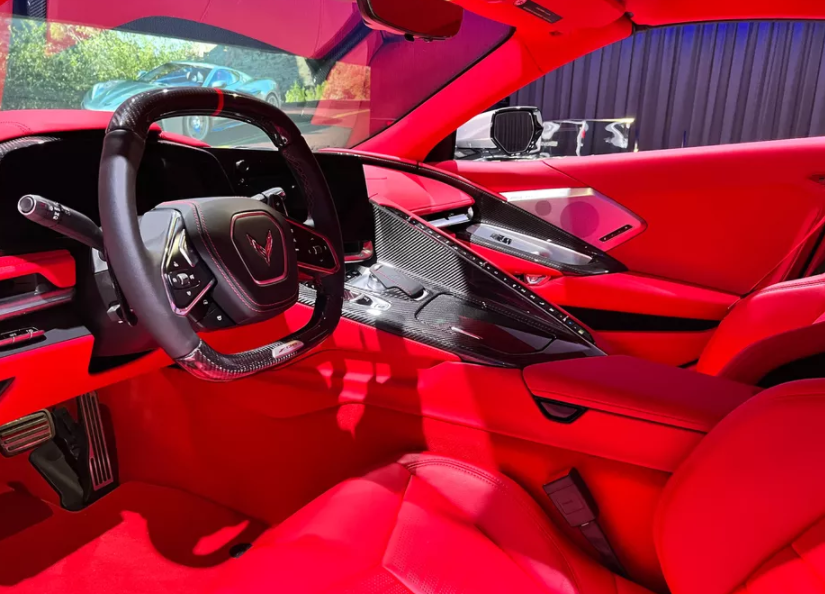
(381, 369)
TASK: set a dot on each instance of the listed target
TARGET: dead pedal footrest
(26, 433)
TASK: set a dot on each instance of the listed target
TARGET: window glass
(340, 81)
(683, 86)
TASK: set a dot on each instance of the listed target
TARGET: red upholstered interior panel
(417, 194)
(710, 220)
(69, 361)
(56, 266)
(511, 176)
(140, 538)
(749, 501)
(638, 293)
(670, 348)
(639, 388)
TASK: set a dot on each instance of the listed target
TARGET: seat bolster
(755, 320)
(748, 491)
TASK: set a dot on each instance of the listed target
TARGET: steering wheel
(237, 257)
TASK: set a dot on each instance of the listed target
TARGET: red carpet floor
(138, 539)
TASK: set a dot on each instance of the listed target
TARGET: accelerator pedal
(26, 433)
(100, 464)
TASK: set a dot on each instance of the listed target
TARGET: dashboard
(412, 274)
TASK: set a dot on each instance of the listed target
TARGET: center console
(425, 285)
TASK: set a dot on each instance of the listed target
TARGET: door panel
(721, 217)
(716, 221)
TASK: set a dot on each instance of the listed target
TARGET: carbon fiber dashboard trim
(446, 267)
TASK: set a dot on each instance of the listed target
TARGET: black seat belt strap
(573, 500)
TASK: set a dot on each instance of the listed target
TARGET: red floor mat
(139, 539)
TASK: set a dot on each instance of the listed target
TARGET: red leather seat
(743, 513)
(774, 326)
(423, 524)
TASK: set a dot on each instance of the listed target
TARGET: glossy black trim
(5, 384)
(812, 367)
(620, 321)
(566, 420)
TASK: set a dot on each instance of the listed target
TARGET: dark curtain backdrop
(697, 84)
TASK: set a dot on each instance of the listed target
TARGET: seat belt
(573, 500)
(804, 240)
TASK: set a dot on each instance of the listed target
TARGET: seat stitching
(392, 532)
(783, 287)
(494, 482)
(790, 545)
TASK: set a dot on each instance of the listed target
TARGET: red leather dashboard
(414, 193)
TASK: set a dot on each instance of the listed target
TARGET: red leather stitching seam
(503, 487)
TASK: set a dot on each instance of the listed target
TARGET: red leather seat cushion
(423, 524)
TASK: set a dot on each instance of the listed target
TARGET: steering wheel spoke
(314, 251)
(224, 260)
(187, 280)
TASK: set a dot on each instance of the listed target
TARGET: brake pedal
(26, 433)
(100, 464)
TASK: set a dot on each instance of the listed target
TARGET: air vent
(450, 218)
(100, 465)
(26, 433)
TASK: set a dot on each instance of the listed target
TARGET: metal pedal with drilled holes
(100, 465)
(26, 433)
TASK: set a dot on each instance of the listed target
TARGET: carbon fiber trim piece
(410, 244)
(445, 267)
(206, 363)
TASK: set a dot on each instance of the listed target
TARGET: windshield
(176, 75)
(315, 59)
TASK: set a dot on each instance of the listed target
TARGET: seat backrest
(776, 325)
(744, 512)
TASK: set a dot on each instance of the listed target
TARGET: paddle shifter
(62, 219)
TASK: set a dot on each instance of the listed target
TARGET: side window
(668, 88)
